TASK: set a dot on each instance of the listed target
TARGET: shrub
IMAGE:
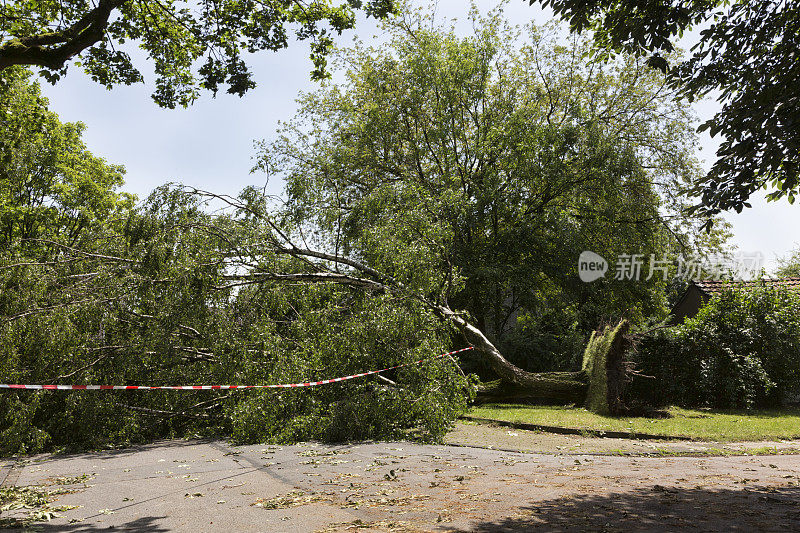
(547, 342)
(742, 350)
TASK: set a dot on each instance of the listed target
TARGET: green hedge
(742, 350)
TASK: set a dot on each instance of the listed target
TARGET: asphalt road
(404, 487)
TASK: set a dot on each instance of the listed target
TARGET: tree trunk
(616, 371)
(568, 387)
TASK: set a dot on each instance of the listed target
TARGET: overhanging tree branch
(52, 50)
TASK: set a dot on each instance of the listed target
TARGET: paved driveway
(403, 487)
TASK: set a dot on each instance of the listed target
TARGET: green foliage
(96, 291)
(151, 304)
(37, 501)
(550, 341)
(195, 47)
(749, 57)
(633, 25)
(789, 267)
(746, 55)
(51, 187)
(742, 350)
(343, 334)
(475, 170)
(54, 194)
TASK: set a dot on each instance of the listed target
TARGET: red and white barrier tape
(218, 387)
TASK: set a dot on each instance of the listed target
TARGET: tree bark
(562, 386)
(52, 50)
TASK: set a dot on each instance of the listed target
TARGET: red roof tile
(710, 287)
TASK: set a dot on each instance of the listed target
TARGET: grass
(696, 424)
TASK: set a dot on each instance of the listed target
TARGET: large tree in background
(476, 172)
(51, 186)
(747, 58)
(178, 37)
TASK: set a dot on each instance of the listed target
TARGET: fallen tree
(182, 296)
(324, 267)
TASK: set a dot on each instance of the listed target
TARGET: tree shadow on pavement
(145, 524)
(659, 509)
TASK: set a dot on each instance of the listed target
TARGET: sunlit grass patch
(717, 425)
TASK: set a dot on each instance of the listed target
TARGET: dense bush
(546, 342)
(742, 350)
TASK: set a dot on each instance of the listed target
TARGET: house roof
(712, 287)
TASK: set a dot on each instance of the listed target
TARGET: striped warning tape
(218, 387)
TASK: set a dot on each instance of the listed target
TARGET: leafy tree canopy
(747, 57)
(192, 45)
(789, 266)
(94, 289)
(51, 186)
(477, 169)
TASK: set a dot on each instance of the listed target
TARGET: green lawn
(696, 424)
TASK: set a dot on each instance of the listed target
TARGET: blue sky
(210, 145)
